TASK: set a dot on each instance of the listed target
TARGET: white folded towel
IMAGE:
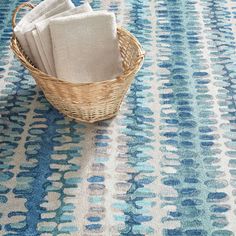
(64, 6)
(32, 15)
(43, 40)
(85, 47)
(36, 51)
(23, 29)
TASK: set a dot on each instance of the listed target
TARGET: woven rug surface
(166, 165)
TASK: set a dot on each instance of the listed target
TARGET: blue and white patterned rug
(166, 165)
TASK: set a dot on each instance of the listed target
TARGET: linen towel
(85, 47)
(43, 40)
(31, 16)
(37, 49)
(66, 5)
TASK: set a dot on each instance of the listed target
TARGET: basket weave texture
(87, 102)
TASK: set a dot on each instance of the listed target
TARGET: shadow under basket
(87, 102)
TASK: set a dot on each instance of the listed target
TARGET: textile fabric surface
(85, 47)
(38, 13)
(166, 165)
(43, 37)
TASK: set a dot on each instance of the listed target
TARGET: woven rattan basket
(87, 102)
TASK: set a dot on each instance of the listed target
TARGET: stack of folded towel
(72, 43)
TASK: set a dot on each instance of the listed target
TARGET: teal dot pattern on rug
(166, 165)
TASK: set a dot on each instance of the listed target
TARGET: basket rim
(46, 76)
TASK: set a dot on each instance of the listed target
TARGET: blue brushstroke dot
(96, 179)
(94, 219)
(93, 226)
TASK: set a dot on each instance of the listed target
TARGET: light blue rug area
(166, 165)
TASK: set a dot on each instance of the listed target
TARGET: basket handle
(25, 4)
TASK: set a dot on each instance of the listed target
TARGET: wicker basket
(87, 102)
